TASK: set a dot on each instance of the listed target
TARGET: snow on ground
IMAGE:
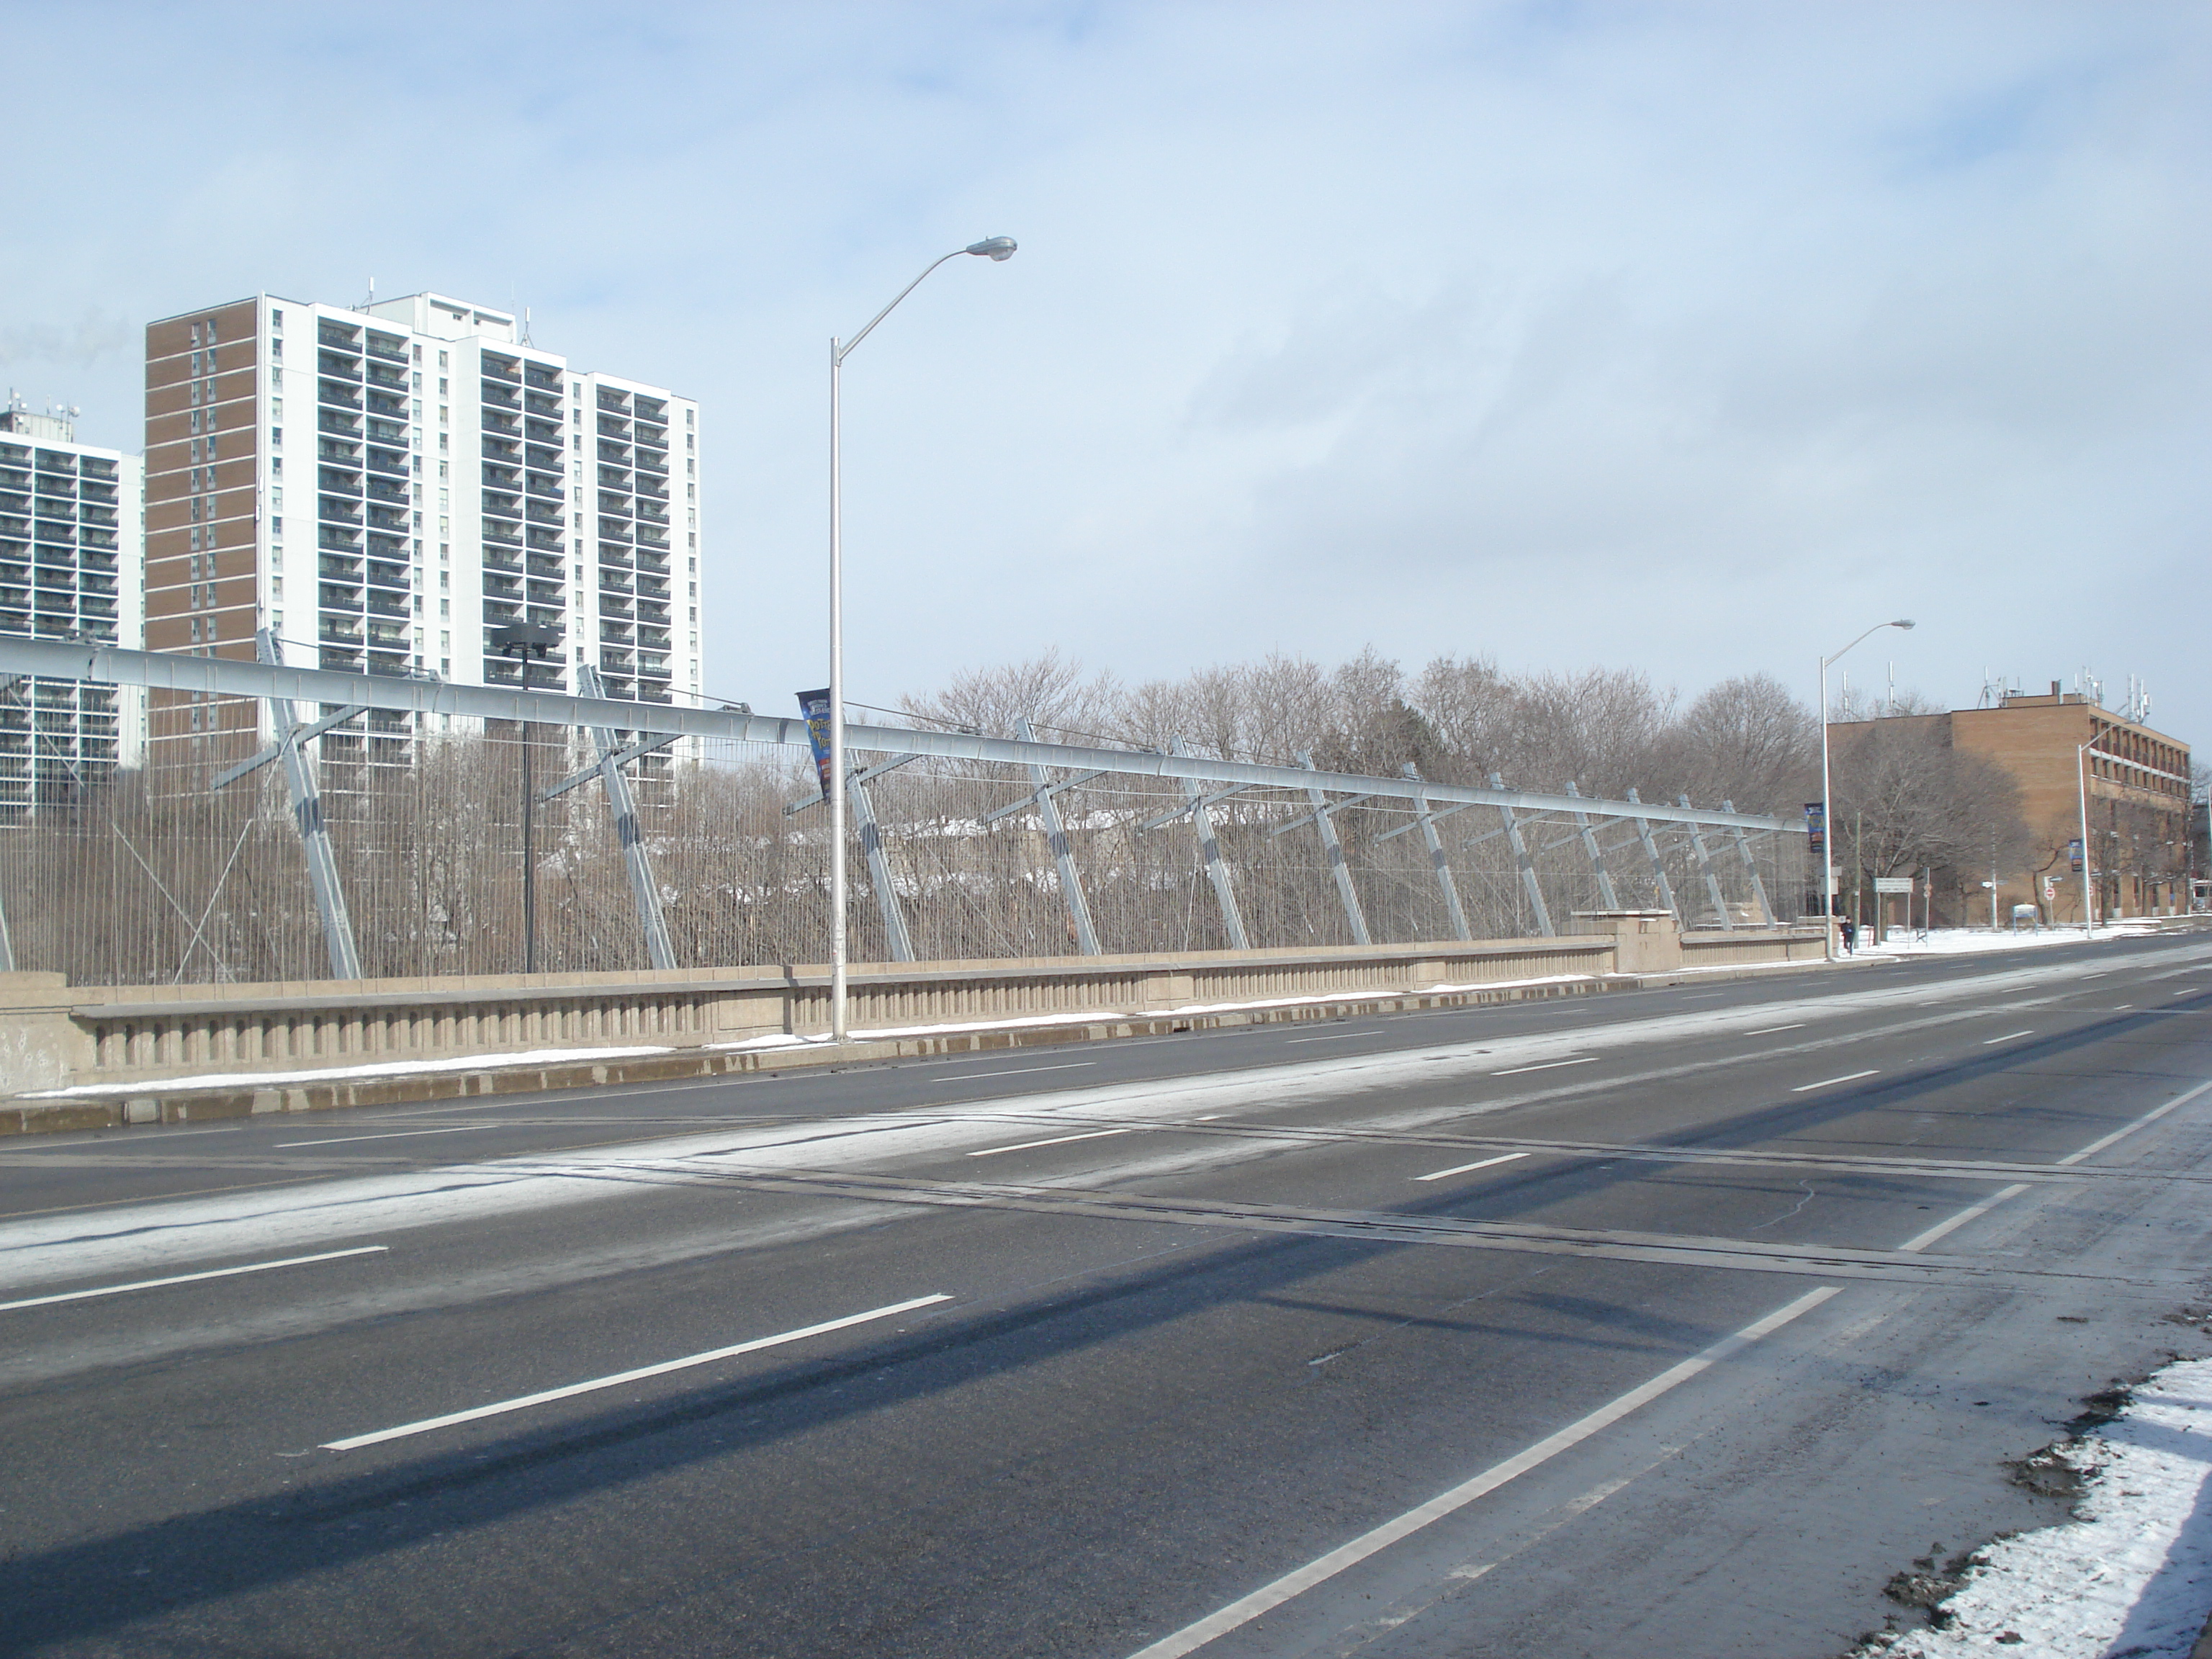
(340, 1073)
(1960, 941)
(2131, 1577)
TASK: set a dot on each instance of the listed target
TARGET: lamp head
(999, 247)
(1906, 624)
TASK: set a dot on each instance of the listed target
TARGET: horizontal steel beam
(229, 677)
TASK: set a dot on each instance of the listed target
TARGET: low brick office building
(2138, 799)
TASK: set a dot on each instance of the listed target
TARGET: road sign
(1892, 884)
(2050, 890)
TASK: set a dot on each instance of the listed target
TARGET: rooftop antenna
(526, 326)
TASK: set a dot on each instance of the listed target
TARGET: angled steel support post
(307, 819)
(1209, 845)
(7, 945)
(1658, 865)
(1751, 866)
(879, 869)
(1520, 856)
(1063, 855)
(1589, 839)
(1427, 819)
(623, 802)
(1705, 869)
(1333, 849)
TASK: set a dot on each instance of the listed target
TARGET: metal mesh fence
(156, 875)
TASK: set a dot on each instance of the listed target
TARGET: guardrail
(56, 1037)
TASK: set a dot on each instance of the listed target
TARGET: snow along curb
(2131, 1575)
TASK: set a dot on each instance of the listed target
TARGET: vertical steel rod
(1705, 869)
(1063, 854)
(1333, 849)
(1441, 864)
(1658, 866)
(1520, 856)
(1605, 893)
(1209, 846)
(314, 835)
(622, 801)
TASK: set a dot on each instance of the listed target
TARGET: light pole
(1827, 806)
(2081, 800)
(994, 247)
(521, 641)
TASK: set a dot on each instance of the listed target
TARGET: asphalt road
(1656, 1323)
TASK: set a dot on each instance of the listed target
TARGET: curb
(144, 1106)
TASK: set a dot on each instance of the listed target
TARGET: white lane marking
(1772, 1030)
(2142, 1122)
(187, 1279)
(1057, 1140)
(1549, 1064)
(1012, 1070)
(396, 1134)
(1338, 1036)
(1921, 1241)
(1830, 1082)
(1191, 1637)
(2124, 1005)
(524, 1402)
(1461, 1169)
(1988, 1042)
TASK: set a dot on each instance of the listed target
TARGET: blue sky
(1683, 338)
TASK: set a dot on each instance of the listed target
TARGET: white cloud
(1680, 336)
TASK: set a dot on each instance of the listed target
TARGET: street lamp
(2081, 801)
(1828, 814)
(998, 248)
(521, 641)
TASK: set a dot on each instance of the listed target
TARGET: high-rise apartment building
(70, 525)
(384, 485)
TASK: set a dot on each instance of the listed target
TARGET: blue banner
(815, 705)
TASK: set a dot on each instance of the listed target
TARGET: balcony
(386, 403)
(388, 463)
(505, 425)
(334, 510)
(653, 437)
(383, 604)
(541, 431)
(543, 564)
(615, 607)
(390, 432)
(502, 558)
(339, 335)
(329, 419)
(99, 538)
(379, 375)
(383, 544)
(494, 531)
(545, 457)
(497, 587)
(382, 490)
(613, 530)
(614, 455)
(388, 575)
(651, 512)
(539, 537)
(546, 405)
(502, 369)
(496, 611)
(387, 518)
(649, 462)
(616, 632)
(544, 512)
(334, 632)
(650, 613)
(348, 569)
(498, 397)
(383, 345)
(537, 375)
(502, 507)
(647, 536)
(505, 449)
(56, 530)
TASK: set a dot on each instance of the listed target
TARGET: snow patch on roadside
(1969, 941)
(2131, 1576)
(484, 1062)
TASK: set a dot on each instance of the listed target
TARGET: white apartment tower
(70, 525)
(384, 485)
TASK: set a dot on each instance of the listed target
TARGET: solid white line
(527, 1400)
(1988, 1042)
(1461, 1169)
(1830, 1082)
(2142, 1122)
(1921, 1241)
(396, 1134)
(1338, 1036)
(1193, 1637)
(1772, 1030)
(1057, 1140)
(187, 1279)
(1549, 1064)
(1012, 1070)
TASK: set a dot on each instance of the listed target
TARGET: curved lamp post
(1827, 813)
(994, 248)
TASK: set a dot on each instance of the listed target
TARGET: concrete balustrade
(307, 1039)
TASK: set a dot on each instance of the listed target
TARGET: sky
(1691, 339)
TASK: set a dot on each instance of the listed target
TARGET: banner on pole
(1816, 829)
(2074, 855)
(815, 705)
